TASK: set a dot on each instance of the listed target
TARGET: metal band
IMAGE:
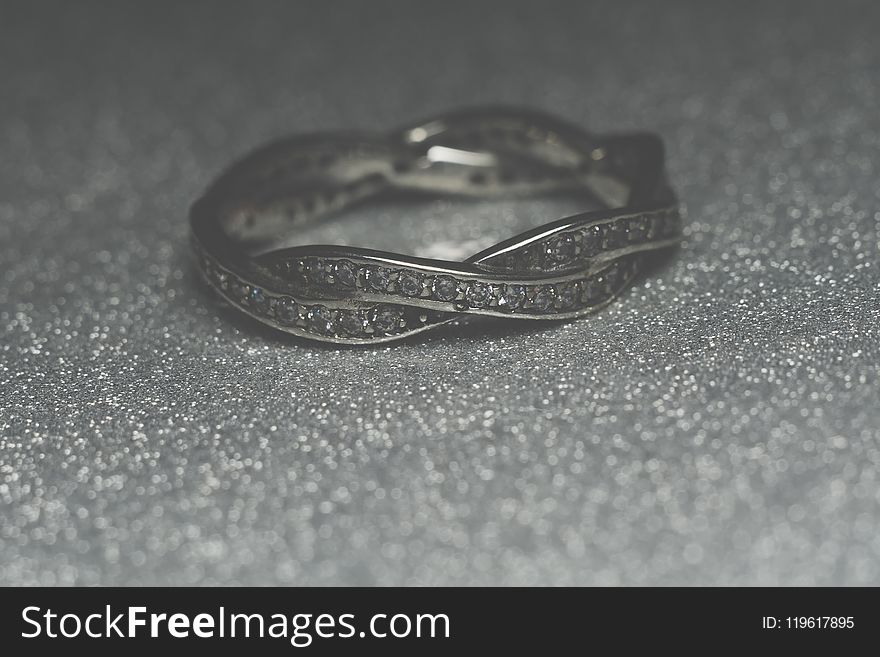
(561, 270)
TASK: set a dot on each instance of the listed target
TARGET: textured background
(719, 425)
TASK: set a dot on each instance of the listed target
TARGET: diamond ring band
(560, 270)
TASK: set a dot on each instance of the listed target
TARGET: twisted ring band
(560, 270)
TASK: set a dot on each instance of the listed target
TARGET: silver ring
(561, 270)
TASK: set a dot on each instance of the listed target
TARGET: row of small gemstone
(384, 319)
(561, 251)
(464, 294)
(381, 319)
(328, 272)
(314, 318)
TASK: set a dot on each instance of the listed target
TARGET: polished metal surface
(559, 270)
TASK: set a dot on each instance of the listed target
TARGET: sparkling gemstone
(345, 273)
(593, 240)
(638, 230)
(617, 235)
(410, 283)
(320, 319)
(379, 279)
(257, 300)
(290, 267)
(568, 295)
(509, 262)
(445, 288)
(613, 277)
(562, 248)
(317, 272)
(238, 290)
(221, 279)
(286, 311)
(512, 297)
(352, 323)
(594, 289)
(478, 295)
(386, 319)
(544, 298)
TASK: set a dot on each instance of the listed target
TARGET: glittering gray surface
(721, 424)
